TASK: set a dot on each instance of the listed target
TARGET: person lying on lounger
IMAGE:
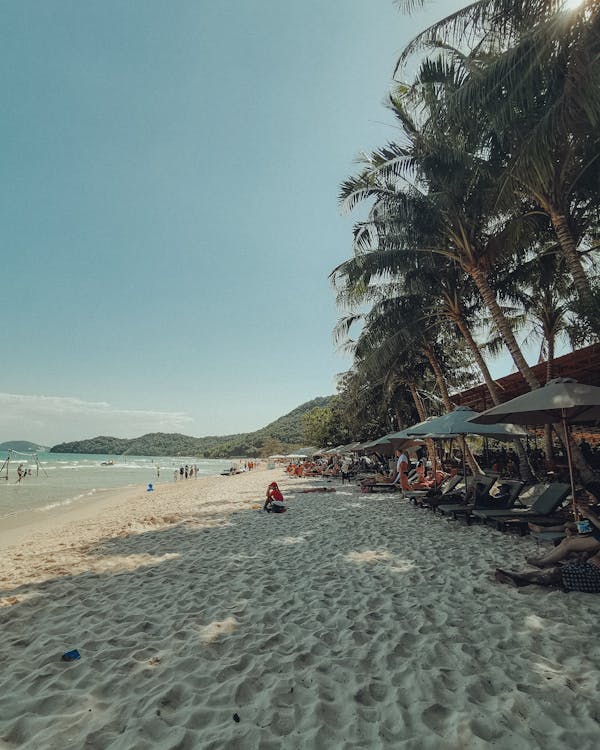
(578, 576)
(392, 478)
(426, 483)
(574, 541)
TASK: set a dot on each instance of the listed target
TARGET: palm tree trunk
(422, 416)
(525, 469)
(481, 363)
(502, 324)
(548, 447)
(488, 296)
(567, 244)
(439, 376)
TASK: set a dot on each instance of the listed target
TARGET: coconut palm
(530, 81)
(448, 210)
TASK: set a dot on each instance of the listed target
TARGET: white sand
(353, 621)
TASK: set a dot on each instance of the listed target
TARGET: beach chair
(456, 497)
(492, 503)
(401, 483)
(483, 484)
(421, 497)
(395, 486)
(543, 505)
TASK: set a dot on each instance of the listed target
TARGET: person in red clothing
(274, 501)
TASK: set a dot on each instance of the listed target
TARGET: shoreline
(103, 510)
(351, 621)
(75, 502)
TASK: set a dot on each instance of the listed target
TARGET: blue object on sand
(150, 488)
(71, 655)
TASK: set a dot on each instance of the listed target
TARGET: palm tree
(530, 80)
(448, 210)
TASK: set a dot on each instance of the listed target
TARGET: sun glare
(571, 4)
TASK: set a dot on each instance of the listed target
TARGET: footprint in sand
(435, 717)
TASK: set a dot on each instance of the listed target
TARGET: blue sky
(169, 205)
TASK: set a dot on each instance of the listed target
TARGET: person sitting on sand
(274, 501)
(573, 541)
(578, 576)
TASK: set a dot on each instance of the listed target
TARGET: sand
(352, 621)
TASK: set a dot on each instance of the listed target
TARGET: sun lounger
(542, 506)
(491, 501)
(400, 483)
(421, 497)
(524, 501)
(483, 484)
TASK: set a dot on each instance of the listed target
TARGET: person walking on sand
(401, 464)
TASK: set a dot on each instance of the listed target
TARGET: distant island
(281, 436)
(22, 446)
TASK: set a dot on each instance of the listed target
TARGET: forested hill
(282, 435)
(23, 446)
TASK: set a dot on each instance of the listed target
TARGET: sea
(55, 480)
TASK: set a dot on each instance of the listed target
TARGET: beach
(351, 621)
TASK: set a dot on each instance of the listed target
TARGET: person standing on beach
(401, 464)
(181, 472)
(175, 475)
(19, 473)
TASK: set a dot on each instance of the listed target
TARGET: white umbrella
(561, 400)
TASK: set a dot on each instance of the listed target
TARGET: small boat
(107, 463)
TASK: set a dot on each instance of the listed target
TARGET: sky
(169, 209)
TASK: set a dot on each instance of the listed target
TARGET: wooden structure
(582, 365)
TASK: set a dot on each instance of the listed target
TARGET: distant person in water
(274, 501)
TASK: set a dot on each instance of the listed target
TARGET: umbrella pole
(570, 464)
(464, 452)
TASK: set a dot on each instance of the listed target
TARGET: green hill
(282, 435)
(23, 446)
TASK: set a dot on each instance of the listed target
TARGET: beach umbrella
(561, 400)
(382, 444)
(458, 423)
